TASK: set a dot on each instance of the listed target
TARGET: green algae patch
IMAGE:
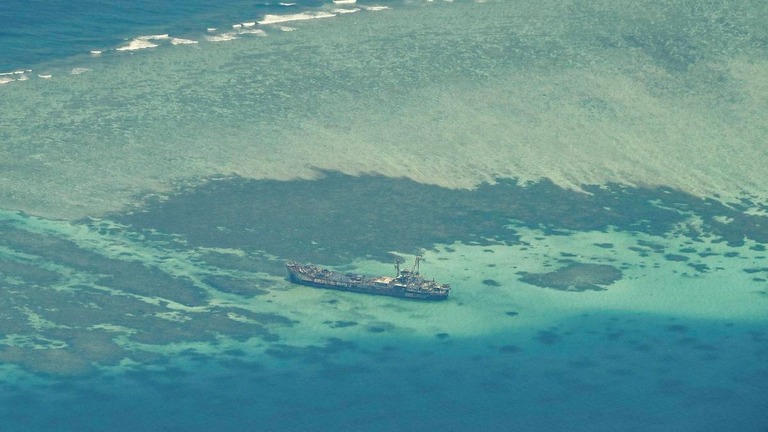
(124, 275)
(22, 273)
(576, 277)
(57, 362)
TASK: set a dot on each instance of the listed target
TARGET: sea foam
(224, 37)
(180, 41)
(275, 19)
(257, 32)
(143, 42)
(137, 44)
(155, 37)
(346, 11)
(16, 72)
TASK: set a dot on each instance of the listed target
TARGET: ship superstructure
(406, 283)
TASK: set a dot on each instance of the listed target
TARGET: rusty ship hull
(405, 285)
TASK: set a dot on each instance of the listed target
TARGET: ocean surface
(588, 176)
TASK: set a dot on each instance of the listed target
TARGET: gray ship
(406, 283)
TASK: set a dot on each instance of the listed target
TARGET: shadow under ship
(406, 284)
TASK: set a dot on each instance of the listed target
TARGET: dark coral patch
(256, 213)
(651, 245)
(700, 267)
(677, 328)
(491, 282)
(756, 270)
(340, 324)
(548, 337)
(123, 275)
(675, 257)
(604, 245)
(575, 277)
(509, 349)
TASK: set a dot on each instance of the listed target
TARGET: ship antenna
(397, 266)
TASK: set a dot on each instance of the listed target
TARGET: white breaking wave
(154, 37)
(46, 76)
(137, 44)
(275, 19)
(346, 11)
(79, 70)
(143, 42)
(240, 29)
(95, 52)
(257, 32)
(17, 75)
(345, 1)
(376, 8)
(16, 72)
(180, 41)
(221, 37)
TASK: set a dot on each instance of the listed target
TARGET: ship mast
(397, 266)
(416, 264)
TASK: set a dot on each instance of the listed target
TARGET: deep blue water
(594, 372)
(39, 31)
(601, 372)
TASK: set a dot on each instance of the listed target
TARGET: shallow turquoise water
(588, 177)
